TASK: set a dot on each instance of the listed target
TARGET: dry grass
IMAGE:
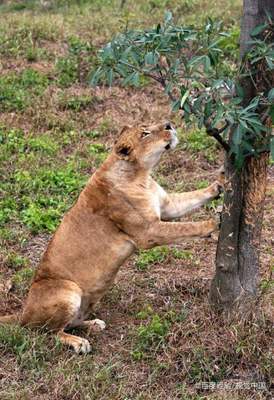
(162, 339)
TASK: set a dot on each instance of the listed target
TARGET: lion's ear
(123, 150)
(125, 128)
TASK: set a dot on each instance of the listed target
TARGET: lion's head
(145, 145)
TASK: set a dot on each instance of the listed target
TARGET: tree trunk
(237, 259)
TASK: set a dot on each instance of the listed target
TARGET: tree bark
(234, 285)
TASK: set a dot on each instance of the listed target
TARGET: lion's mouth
(167, 147)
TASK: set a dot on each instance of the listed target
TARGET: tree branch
(216, 134)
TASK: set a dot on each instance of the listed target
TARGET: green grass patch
(43, 144)
(15, 261)
(98, 152)
(182, 254)
(24, 37)
(17, 91)
(35, 191)
(21, 280)
(150, 257)
(197, 141)
(157, 255)
(32, 350)
(66, 69)
(151, 336)
(77, 103)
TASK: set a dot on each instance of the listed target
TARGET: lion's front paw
(213, 225)
(95, 325)
(217, 189)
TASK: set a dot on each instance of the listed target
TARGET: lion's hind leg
(55, 305)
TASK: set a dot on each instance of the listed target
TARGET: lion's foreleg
(165, 233)
(176, 205)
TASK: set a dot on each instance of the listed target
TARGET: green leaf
(237, 135)
(258, 29)
(269, 62)
(176, 105)
(136, 79)
(272, 148)
(207, 64)
(129, 79)
(183, 99)
(239, 90)
(109, 76)
(151, 58)
(270, 95)
(168, 17)
(247, 146)
(96, 77)
(208, 108)
(271, 113)
(187, 108)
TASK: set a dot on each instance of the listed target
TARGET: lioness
(121, 209)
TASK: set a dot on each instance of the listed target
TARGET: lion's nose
(168, 126)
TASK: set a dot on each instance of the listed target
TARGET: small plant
(202, 184)
(14, 338)
(43, 143)
(77, 103)
(151, 337)
(66, 70)
(182, 254)
(151, 257)
(99, 153)
(93, 134)
(15, 261)
(145, 313)
(39, 219)
(231, 44)
(197, 141)
(31, 349)
(21, 280)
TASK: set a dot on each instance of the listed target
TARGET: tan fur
(121, 209)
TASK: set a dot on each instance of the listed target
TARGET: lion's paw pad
(82, 346)
(99, 324)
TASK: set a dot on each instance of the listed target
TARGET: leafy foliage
(192, 66)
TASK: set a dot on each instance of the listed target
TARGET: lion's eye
(145, 133)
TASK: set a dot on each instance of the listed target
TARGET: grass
(17, 91)
(150, 257)
(150, 336)
(198, 142)
(157, 255)
(162, 338)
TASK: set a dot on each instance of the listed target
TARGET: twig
(123, 2)
(216, 134)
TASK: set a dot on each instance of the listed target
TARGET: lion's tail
(9, 319)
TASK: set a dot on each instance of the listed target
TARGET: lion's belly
(88, 252)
